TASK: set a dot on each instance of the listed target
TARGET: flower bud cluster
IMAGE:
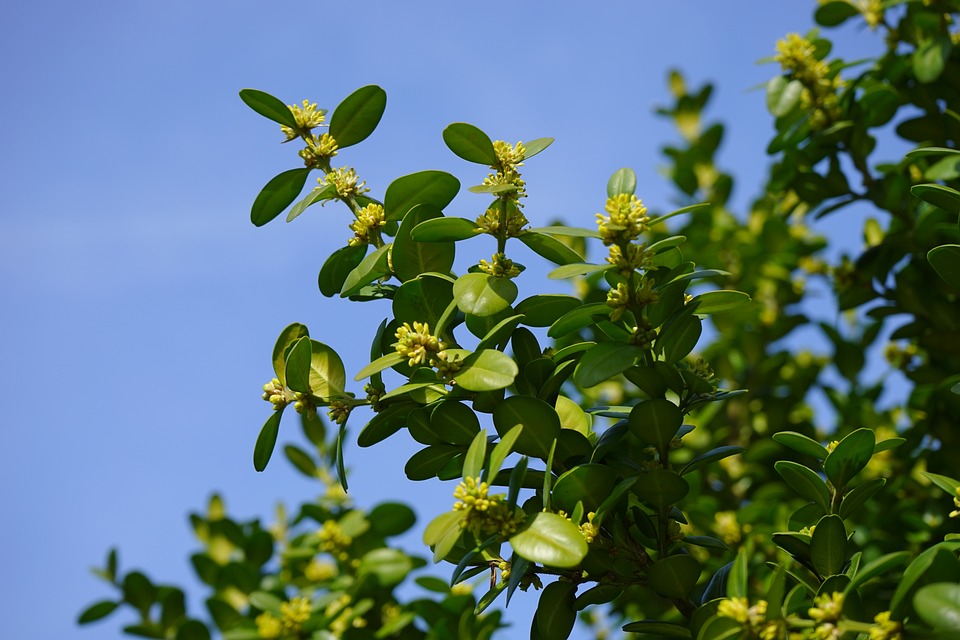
(417, 344)
(490, 221)
(485, 513)
(345, 181)
(509, 157)
(318, 149)
(293, 615)
(339, 412)
(500, 266)
(797, 56)
(630, 258)
(370, 220)
(277, 394)
(307, 117)
(625, 221)
(588, 529)
(333, 539)
(752, 617)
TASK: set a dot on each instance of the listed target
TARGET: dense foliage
(603, 466)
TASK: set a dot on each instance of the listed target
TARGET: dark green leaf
(550, 248)
(445, 229)
(338, 266)
(470, 143)
(192, 630)
(317, 195)
(289, 336)
(930, 58)
(804, 481)
(411, 258)
(266, 441)
(882, 566)
(661, 488)
(301, 460)
(936, 564)
(425, 187)
(481, 294)
(454, 423)
(385, 424)
(277, 195)
(849, 457)
(426, 463)
(656, 422)
(358, 115)
(535, 146)
(375, 265)
(709, 457)
(578, 318)
(656, 628)
(831, 14)
(719, 301)
(674, 576)
(605, 361)
(946, 260)
(828, 546)
(679, 337)
(588, 484)
(97, 611)
(939, 196)
(541, 424)
(574, 270)
(860, 495)
(269, 107)
(555, 612)
(801, 443)
(939, 605)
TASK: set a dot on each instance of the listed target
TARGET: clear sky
(140, 306)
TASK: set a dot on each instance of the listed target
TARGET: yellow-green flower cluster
(320, 571)
(490, 221)
(636, 257)
(797, 56)
(345, 182)
(485, 513)
(293, 615)
(370, 220)
(417, 344)
(307, 116)
(884, 628)
(872, 11)
(621, 297)
(509, 157)
(956, 502)
(826, 612)
(588, 529)
(626, 219)
(318, 149)
(343, 616)
(333, 539)
(277, 394)
(500, 266)
(753, 618)
(339, 412)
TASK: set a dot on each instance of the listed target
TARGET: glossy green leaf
(882, 566)
(97, 611)
(948, 484)
(946, 260)
(486, 370)
(318, 194)
(678, 338)
(661, 488)
(804, 481)
(563, 230)
(932, 151)
(341, 464)
(622, 181)
(277, 195)
(604, 361)
(693, 208)
(831, 14)
(936, 564)
(783, 95)
(500, 333)
(535, 146)
(588, 484)
(939, 605)
(481, 294)
(428, 462)
(425, 187)
(550, 248)
(502, 450)
(301, 460)
(441, 529)
(269, 107)
(454, 422)
(706, 542)
(828, 546)
(192, 630)
(572, 416)
(599, 594)
(473, 462)
(297, 367)
(541, 424)
(378, 365)
(656, 422)
(709, 457)
(674, 576)
(738, 577)
(411, 258)
(422, 299)
(577, 269)
(327, 375)
(266, 441)
(384, 424)
(719, 301)
(939, 196)
(358, 115)
(849, 457)
(801, 444)
(445, 230)
(337, 267)
(578, 318)
(470, 143)
(550, 540)
(555, 614)
(289, 336)
(930, 58)
(657, 629)
(859, 496)
(375, 265)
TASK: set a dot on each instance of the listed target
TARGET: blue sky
(140, 305)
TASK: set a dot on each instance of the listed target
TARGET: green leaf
(946, 260)
(932, 151)
(599, 594)
(801, 444)
(470, 143)
(783, 95)
(550, 540)
(266, 441)
(656, 422)
(443, 532)
(828, 546)
(473, 462)
(707, 542)
(338, 266)
(269, 107)
(946, 483)
(656, 628)
(378, 365)
(327, 375)
(804, 481)
(718, 301)
(297, 367)
(603, 362)
(860, 495)
(341, 464)
(930, 58)
(385, 424)
(578, 318)
(709, 457)
(939, 196)
(679, 337)
(375, 265)
(622, 181)
(831, 14)
(192, 630)
(693, 208)
(388, 566)
(486, 370)
(411, 258)
(424, 187)
(358, 115)
(555, 614)
(535, 146)
(428, 462)
(574, 270)
(454, 422)
(289, 336)
(481, 294)
(661, 488)
(550, 248)
(301, 460)
(500, 333)
(502, 450)
(277, 195)
(882, 566)
(936, 564)
(423, 299)
(541, 424)
(589, 484)
(849, 457)
(445, 229)
(563, 230)
(328, 192)
(939, 605)
(737, 580)
(674, 576)
(97, 611)
(139, 591)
